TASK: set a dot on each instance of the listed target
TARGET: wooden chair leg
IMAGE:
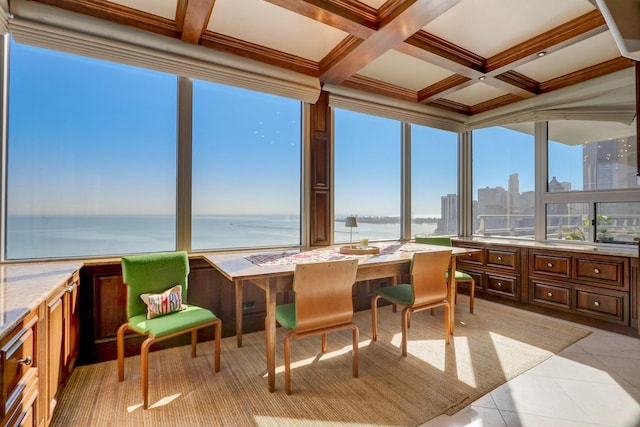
(472, 291)
(447, 322)
(194, 342)
(120, 346)
(287, 364)
(144, 370)
(216, 351)
(324, 343)
(355, 335)
(405, 331)
(374, 317)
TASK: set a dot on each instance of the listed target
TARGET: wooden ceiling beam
(192, 18)
(350, 16)
(415, 15)
(574, 31)
(123, 15)
(443, 88)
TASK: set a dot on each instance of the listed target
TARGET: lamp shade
(351, 222)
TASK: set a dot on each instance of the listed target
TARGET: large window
(246, 168)
(503, 181)
(434, 181)
(591, 155)
(367, 175)
(592, 189)
(91, 157)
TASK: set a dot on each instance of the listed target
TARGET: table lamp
(351, 222)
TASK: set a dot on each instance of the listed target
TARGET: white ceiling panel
(404, 70)
(164, 8)
(591, 51)
(488, 27)
(475, 94)
(253, 21)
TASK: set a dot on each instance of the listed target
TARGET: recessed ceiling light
(541, 54)
(481, 78)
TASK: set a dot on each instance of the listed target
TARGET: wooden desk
(279, 277)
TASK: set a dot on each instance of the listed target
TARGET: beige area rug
(489, 347)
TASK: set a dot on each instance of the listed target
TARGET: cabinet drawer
(550, 265)
(475, 258)
(592, 302)
(18, 359)
(547, 294)
(605, 272)
(502, 258)
(503, 286)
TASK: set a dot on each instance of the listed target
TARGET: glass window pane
(91, 157)
(246, 168)
(503, 181)
(434, 181)
(617, 222)
(367, 176)
(591, 155)
(568, 221)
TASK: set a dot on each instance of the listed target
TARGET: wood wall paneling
(320, 185)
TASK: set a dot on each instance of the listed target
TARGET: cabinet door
(55, 348)
(72, 324)
(19, 362)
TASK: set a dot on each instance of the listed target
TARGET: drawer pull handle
(499, 258)
(26, 361)
(596, 270)
(549, 294)
(596, 303)
(549, 265)
(499, 284)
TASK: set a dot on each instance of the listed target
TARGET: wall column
(320, 191)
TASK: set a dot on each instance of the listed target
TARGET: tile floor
(595, 382)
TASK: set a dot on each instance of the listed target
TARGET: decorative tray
(357, 250)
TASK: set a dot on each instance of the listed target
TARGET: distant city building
(448, 222)
(610, 164)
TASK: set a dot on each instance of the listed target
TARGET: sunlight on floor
(318, 357)
(278, 421)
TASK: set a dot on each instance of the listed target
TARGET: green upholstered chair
(323, 303)
(427, 290)
(153, 275)
(461, 277)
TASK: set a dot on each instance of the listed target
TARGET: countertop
(620, 250)
(23, 287)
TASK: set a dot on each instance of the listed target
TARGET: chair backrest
(324, 295)
(428, 275)
(153, 273)
(440, 240)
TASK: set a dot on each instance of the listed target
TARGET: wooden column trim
(320, 182)
(638, 115)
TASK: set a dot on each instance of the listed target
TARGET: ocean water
(60, 236)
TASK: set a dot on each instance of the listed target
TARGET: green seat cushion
(460, 276)
(399, 294)
(170, 323)
(286, 315)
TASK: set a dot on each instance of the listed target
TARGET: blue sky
(117, 153)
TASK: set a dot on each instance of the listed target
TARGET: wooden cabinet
(589, 284)
(61, 340)
(583, 284)
(496, 270)
(20, 374)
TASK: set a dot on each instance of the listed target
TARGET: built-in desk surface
(24, 286)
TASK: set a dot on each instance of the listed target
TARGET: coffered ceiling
(466, 56)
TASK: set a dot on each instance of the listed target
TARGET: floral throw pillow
(167, 302)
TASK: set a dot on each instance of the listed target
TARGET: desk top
(254, 265)
(24, 286)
